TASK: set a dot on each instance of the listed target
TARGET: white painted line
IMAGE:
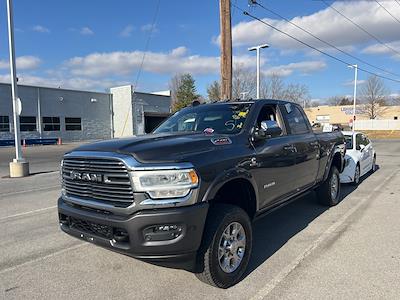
(263, 292)
(27, 213)
(32, 190)
(43, 258)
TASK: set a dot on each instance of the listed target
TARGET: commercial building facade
(74, 115)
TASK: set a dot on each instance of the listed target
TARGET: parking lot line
(31, 190)
(27, 213)
(43, 258)
(263, 293)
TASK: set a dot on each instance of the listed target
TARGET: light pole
(18, 167)
(257, 48)
(355, 67)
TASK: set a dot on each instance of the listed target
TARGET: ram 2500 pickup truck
(189, 191)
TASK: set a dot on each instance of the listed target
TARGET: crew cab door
(272, 168)
(305, 147)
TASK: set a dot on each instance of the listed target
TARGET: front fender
(336, 151)
(225, 177)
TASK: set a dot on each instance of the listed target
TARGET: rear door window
(296, 121)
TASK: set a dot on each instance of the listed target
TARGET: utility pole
(355, 67)
(18, 167)
(257, 49)
(226, 49)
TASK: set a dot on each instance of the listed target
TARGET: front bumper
(158, 235)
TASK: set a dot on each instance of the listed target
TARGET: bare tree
(174, 84)
(297, 93)
(214, 91)
(374, 94)
(243, 82)
(339, 100)
(273, 87)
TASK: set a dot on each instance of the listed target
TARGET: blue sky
(97, 44)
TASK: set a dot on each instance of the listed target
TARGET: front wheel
(226, 246)
(329, 192)
(373, 167)
(357, 173)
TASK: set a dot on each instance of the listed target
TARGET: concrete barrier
(377, 125)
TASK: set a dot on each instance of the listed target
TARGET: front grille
(96, 229)
(112, 184)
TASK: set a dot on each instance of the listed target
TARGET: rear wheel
(357, 173)
(226, 246)
(329, 192)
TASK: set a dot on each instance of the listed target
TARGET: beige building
(344, 114)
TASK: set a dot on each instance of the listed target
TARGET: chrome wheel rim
(357, 175)
(232, 247)
(334, 186)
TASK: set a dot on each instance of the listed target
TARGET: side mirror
(362, 147)
(268, 129)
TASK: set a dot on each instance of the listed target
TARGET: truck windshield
(221, 119)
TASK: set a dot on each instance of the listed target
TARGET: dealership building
(75, 115)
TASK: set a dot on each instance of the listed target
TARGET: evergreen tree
(186, 92)
(214, 91)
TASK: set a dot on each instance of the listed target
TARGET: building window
(27, 123)
(4, 124)
(73, 124)
(51, 123)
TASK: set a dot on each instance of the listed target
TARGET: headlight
(165, 183)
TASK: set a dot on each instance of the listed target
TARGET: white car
(360, 157)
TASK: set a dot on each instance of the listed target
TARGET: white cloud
(86, 31)
(27, 62)
(379, 49)
(303, 67)
(41, 29)
(124, 63)
(127, 31)
(149, 27)
(351, 82)
(326, 24)
(69, 82)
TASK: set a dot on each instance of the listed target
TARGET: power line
(396, 19)
(397, 1)
(361, 28)
(314, 48)
(146, 47)
(325, 42)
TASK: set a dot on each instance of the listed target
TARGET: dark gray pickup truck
(186, 195)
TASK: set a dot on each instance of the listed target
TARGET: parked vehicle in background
(188, 193)
(360, 157)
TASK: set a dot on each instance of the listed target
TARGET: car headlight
(161, 184)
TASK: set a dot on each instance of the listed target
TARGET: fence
(377, 125)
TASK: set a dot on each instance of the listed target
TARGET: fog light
(162, 232)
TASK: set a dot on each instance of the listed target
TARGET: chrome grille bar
(114, 187)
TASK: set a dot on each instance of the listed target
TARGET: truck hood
(154, 148)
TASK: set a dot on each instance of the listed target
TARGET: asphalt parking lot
(302, 251)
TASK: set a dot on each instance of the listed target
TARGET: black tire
(324, 191)
(373, 167)
(356, 179)
(209, 270)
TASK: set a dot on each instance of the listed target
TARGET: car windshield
(221, 119)
(349, 141)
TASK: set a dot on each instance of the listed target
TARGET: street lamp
(18, 167)
(355, 67)
(257, 48)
